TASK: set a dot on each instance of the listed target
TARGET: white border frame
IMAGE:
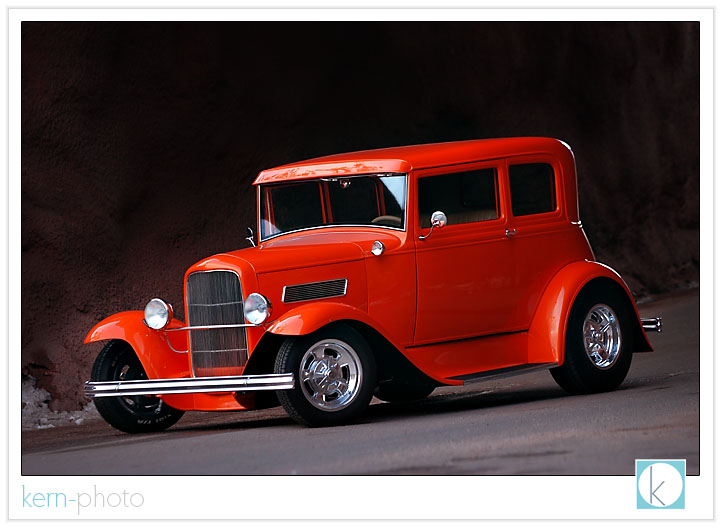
(472, 497)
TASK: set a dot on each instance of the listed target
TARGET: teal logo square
(660, 484)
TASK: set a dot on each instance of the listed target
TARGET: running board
(651, 324)
(503, 372)
(98, 389)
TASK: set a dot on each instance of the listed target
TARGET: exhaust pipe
(652, 324)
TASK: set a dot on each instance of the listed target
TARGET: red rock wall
(140, 141)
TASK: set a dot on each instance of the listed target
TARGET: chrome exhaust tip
(652, 324)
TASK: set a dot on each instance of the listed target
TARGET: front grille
(215, 298)
(315, 290)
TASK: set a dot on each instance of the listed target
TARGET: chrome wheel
(330, 374)
(602, 336)
(335, 372)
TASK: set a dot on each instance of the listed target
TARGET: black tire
(130, 414)
(335, 374)
(402, 392)
(585, 373)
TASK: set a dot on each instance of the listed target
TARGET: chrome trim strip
(216, 350)
(99, 389)
(313, 284)
(210, 327)
(167, 340)
(651, 324)
(215, 304)
(352, 176)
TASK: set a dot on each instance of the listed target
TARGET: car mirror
(438, 219)
(250, 237)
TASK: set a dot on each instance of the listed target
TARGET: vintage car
(385, 272)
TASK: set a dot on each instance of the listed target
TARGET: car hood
(300, 251)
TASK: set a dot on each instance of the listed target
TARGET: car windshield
(370, 200)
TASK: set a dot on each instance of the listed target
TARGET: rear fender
(549, 325)
(157, 357)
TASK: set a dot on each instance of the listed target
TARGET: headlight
(158, 314)
(256, 308)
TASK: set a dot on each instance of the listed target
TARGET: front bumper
(154, 387)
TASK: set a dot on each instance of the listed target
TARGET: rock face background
(140, 142)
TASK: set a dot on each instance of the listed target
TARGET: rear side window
(532, 189)
(463, 197)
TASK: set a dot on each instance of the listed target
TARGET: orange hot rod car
(386, 272)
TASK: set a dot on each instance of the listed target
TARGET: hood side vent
(315, 290)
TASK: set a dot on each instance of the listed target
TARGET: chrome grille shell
(215, 297)
(315, 290)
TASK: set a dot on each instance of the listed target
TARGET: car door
(464, 270)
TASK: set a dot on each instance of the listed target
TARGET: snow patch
(37, 415)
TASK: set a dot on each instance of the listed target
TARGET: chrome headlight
(256, 308)
(158, 314)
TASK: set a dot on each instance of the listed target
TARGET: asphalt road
(524, 425)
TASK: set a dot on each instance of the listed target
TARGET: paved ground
(521, 425)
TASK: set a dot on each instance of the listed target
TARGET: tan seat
(469, 216)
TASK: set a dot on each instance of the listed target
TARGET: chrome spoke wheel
(602, 336)
(330, 374)
(598, 340)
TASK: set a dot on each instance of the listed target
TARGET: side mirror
(438, 219)
(250, 237)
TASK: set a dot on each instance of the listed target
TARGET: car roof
(413, 157)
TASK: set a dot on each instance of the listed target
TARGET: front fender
(549, 325)
(151, 347)
(308, 318)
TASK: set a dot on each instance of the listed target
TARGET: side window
(464, 197)
(532, 189)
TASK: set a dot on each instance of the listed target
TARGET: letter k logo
(653, 493)
(660, 484)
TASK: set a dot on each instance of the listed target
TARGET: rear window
(532, 189)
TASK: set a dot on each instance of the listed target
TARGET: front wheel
(131, 414)
(598, 350)
(334, 372)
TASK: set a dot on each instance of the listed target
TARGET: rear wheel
(598, 352)
(334, 373)
(131, 414)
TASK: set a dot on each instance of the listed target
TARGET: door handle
(510, 233)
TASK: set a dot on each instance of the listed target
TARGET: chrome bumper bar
(652, 324)
(98, 389)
